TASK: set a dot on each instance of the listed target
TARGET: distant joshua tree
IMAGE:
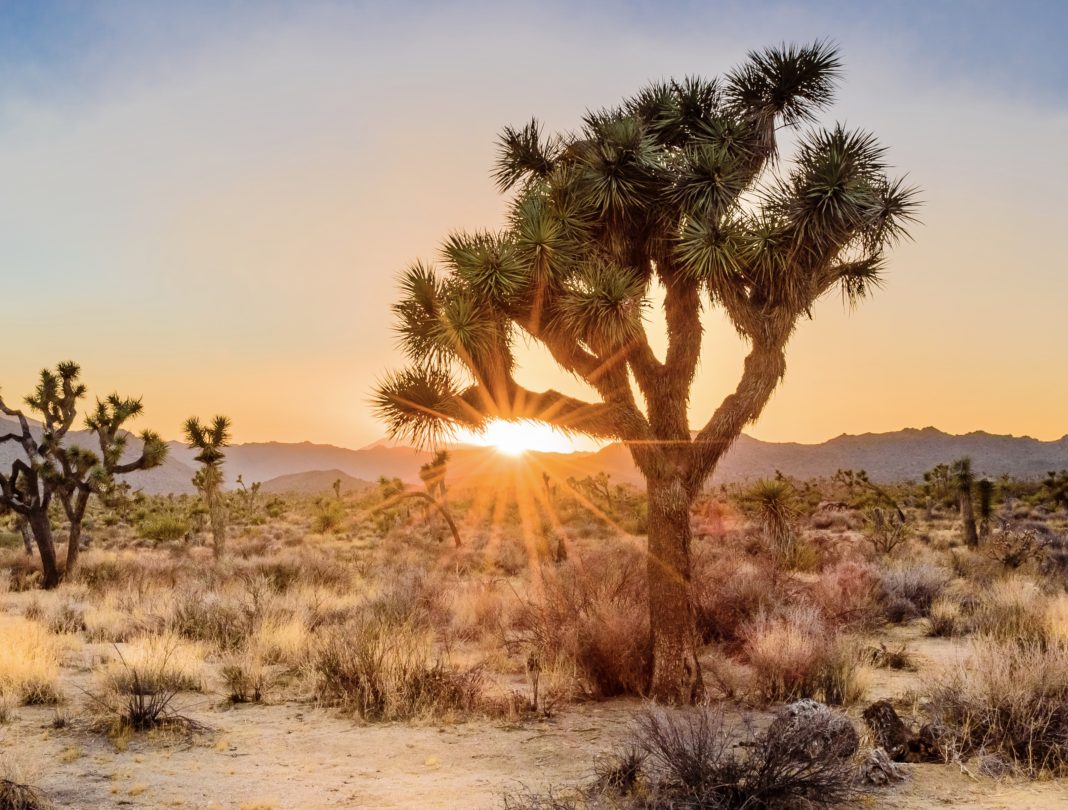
(55, 469)
(985, 489)
(964, 478)
(677, 188)
(88, 473)
(432, 474)
(773, 503)
(210, 441)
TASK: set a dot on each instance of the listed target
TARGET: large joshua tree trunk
(676, 676)
(42, 534)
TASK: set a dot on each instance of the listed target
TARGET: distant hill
(901, 455)
(315, 482)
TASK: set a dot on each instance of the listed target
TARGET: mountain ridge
(889, 456)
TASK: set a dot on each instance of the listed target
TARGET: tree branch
(764, 367)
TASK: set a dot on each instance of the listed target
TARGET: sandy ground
(291, 757)
(294, 755)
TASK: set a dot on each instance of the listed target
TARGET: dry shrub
(796, 655)
(907, 590)
(1010, 699)
(728, 592)
(245, 678)
(210, 616)
(67, 617)
(591, 615)
(23, 573)
(846, 593)
(29, 662)
(699, 761)
(944, 618)
(381, 671)
(106, 622)
(411, 597)
(15, 793)
(476, 609)
(135, 692)
(282, 640)
(167, 659)
(1012, 610)
(802, 759)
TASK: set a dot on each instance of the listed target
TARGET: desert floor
(294, 755)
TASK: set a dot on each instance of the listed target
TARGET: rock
(900, 742)
(816, 728)
(874, 767)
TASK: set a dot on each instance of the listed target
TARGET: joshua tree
(54, 468)
(774, 505)
(678, 187)
(34, 480)
(210, 441)
(985, 489)
(964, 479)
(432, 474)
(85, 473)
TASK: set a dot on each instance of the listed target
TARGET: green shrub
(164, 527)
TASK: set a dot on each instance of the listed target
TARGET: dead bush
(728, 592)
(591, 614)
(804, 757)
(138, 695)
(1011, 610)
(907, 590)
(17, 796)
(796, 655)
(1009, 699)
(380, 671)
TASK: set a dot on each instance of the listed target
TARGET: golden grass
(29, 662)
(166, 659)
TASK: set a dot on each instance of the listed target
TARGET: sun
(514, 438)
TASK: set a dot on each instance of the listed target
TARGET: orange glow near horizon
(514, 438)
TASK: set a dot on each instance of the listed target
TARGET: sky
(207, 204)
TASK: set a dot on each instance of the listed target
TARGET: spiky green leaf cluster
(680, 183)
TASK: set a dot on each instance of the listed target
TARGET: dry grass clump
(245, 677)
(795, 655)
(1009, 699)
(29, 662)
(945, 617)
(135, 692)
(846, 593)
(282, 640)
(215, 617)
(15, 793)
(383, 671)
(907, 590)
(590, 618)
(172, 661)
(694, 760)
(728, 592)
(1012, 610)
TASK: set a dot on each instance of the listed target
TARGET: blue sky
(206, 203)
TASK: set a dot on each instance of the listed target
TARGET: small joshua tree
(774, 505)
(432, 474)
(56, 469)
(210, 440)
(85, 473)
(964, 479)
(985, 490)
